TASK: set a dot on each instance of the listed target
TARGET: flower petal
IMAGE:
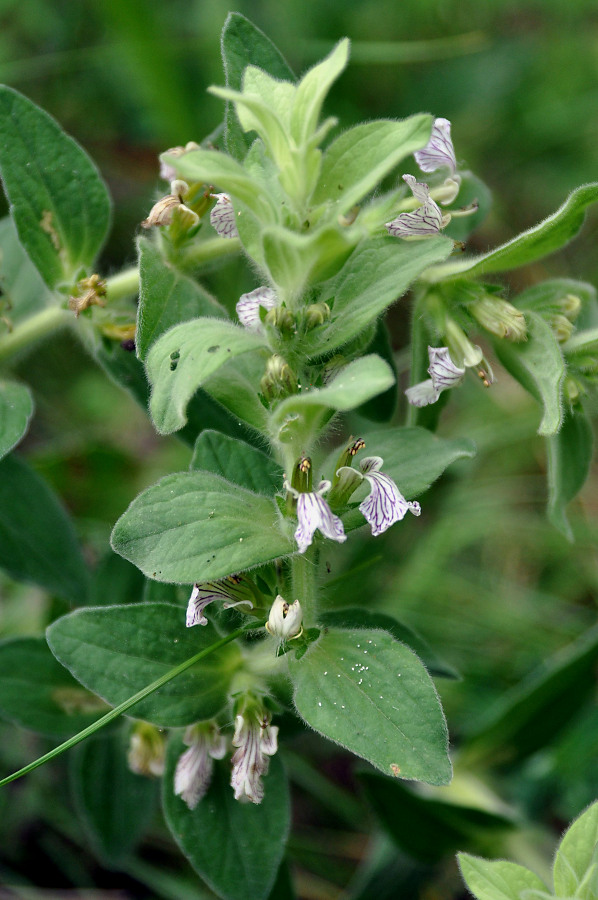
(314, 513)
(248, 306)
(385, 504)
(439, 150)
(426, 220)
(422, 394)
(222, 217)
(442, 370)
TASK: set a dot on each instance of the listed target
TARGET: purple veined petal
(385, 504)
(422, 222)
(442, 370)
(422, 394)
(248, 306)
(248, 762)
(314, 513)
(201, 596)
(222, 217)
(439, 150)
(194, 768)
(269, 740)
(419, 189)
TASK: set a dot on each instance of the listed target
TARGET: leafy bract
(376, 274)
(372, 695)
(576, 861)
(195, 526)
(538, 366)
(37, 539)
(16, 408)
(497, 879)
(569, 456)
(166, 297)
(237, 462)
(235, 847)
(36, 692)
(58, 201)
(116, 651)
(541, 240)
(357, 161)
(184, 358)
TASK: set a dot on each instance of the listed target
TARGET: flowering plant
(269, 388)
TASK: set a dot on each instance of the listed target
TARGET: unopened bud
(281, 318)
(284, 621)
(500, 318)
(562, 328)
(279, 380)
(570, 306)
(571, 389)
(316, 315)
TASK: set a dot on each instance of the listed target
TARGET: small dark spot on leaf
(175, 354)
(173, 364)
(213, 348)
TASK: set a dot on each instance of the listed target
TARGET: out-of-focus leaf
(16, 408)
(569, 458)
(498, 880)
(576, 861)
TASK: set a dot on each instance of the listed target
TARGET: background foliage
(489, 584)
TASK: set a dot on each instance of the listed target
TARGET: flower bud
(562, 328)
(147, 750)
(279, 380)
(281, 318)
(284, 621)
(315, 315)
(500, 317)
(570, 306)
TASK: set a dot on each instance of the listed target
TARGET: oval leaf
(16, 408)
(373, 696)
(235, 847)
(183, 358)
(116, 651)
(576, 861)
(237, 462)
(58, 201)
(195, 526)
(489, 879)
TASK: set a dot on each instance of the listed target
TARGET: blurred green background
(492, 587)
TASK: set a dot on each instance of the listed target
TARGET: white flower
(256, 740)
(147, 750)
(439, 150)
(284, 621)
(314, 513)
(385, 504)
(443, 373)
(194, 769)
(222, 217)
(426, 220)
(168, 172)
(234, 590)
(248, 307)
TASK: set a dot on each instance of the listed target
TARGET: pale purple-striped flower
(248, 306)
(444, 374)
(234, 590)
(313, 513)
(284, 621)
(385, 504)
(256, 741)
(194, 769)
(439, 150)
(222, 217)
(425, 221)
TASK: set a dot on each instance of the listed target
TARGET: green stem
(123, 707)
(34, 328)
(123, 284)
(303, 577)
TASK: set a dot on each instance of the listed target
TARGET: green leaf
(538, 365)
(576, 861)
(23, 289)
(357, 161)
(36, 692)
(553, 233)
(295, 259)
(166, 297)
(426, 828)
(236, 387)
(357, 382)
(195, 526)
(184, 358)
(16, 408)
(381, 408)
(116, 651)
(243, 44)
(237, 462)
(235, 847)
(353, 618)
(376, 274)
(373, 696)
(569, 456)
(58, 200)
(114, 805)
(37, 539)
(497, 880)
(533, 713)
(116, 581)
(312, 90)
